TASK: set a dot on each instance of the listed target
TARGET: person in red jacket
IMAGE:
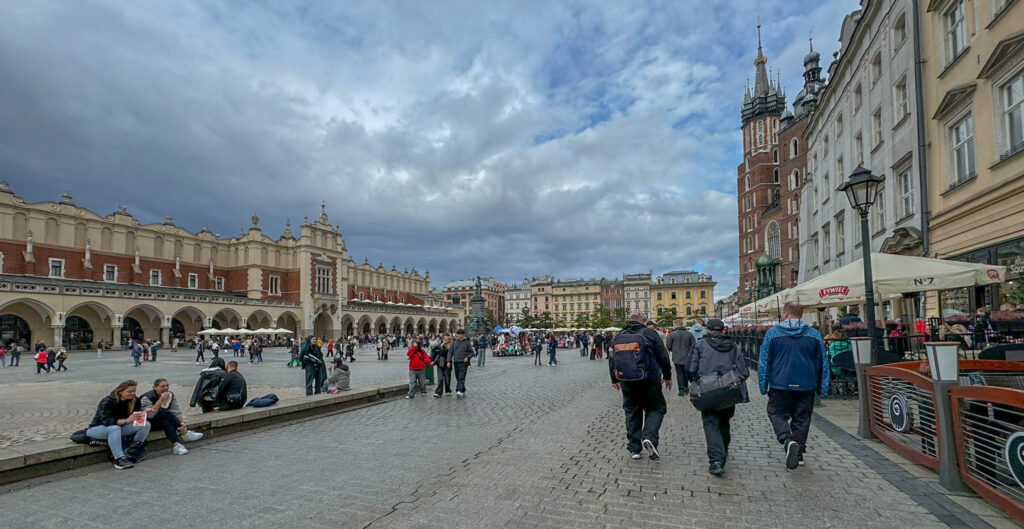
(418, 363)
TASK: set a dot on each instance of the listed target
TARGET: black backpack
(631, 356)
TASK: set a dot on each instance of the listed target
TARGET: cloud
(497, 138)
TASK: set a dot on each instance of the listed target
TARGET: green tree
(583, 321)
(619, 316)
(527, 320)
(490, 318)
(666, 317)
(601, 318)
(546, 321)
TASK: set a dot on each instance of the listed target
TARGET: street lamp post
(862, 191)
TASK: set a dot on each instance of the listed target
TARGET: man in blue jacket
(793, 364)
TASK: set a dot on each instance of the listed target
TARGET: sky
(503, 139)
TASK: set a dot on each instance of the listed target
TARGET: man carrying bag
(720, 383)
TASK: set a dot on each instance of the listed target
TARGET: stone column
(58, 335)
(115, 336)
(165, 334)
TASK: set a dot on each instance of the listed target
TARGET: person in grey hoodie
(458, 359)
(681, 343)
(697, 330)
(716, 353)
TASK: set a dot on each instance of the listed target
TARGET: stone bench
(41, 458)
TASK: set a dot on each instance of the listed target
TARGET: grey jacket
(149, 398)
(681, 343)
(462, 350)
(340, 378)
(716, 353)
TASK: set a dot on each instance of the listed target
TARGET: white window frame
(193, 281)
(954, 27)
(218, 283)
(858, 147)
(858, 97)
(900, 99)
(967, 144)
(879, 212)
(905, 192)
(876, 68)
(159, 277)
(324, 277)
(1008, 109)
(107, 268)
(826, 187)
(898, 27)
(840, 222)
(274, 285)
(63, 268)
(826, 243)
(876, 128)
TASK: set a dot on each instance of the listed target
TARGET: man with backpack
(792, 366)
(311, 358)
(681, 343)
(713, 356)
(639, 364)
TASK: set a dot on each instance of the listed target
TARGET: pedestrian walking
(584, 346)
(440, 355)
(41, 362)
(51, 358)
(312, 361)
(598, 345)
(293, 352)
(639, 365)
(714, 355)
(538, 350)
(137, 354)
(681, 343)
(418, 364)
(200, 350)
(99, 349)
(552, 349)
(793, 365)
(62, 356)
(16, 350)
(3, 355)
(481, 358)
(459, 357)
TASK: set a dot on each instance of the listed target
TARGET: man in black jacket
(458, 359)
(681, 343)
(642, 400)
(233, 394)
(716, 353)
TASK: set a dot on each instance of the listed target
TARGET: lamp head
(862, 189)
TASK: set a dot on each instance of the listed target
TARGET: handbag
(716, 391)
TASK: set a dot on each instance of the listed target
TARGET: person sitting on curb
(233, 394)
(118, 415)
(207, 390)
(168, 416)
(340, 379)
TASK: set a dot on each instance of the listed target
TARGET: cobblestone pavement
(529, 447)
(44, 406)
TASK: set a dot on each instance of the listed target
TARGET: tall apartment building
(637, 292)
(689, 292)
(540, 295)
(867, 115)
(492, 291)
(612, 294)
(571, 298)
(973, 66)
(517, 301)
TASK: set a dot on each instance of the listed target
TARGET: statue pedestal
(477, 317)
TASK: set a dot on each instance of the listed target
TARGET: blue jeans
(113, 434)
(551, 357)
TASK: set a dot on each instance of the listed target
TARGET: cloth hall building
(71, 277)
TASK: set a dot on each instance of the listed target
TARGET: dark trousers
(461, 368)
(444, 380)
(200, 357)
(716, 432)
(41, 366)
(790, 414)
(169, 423)
(536, 357)
(61, 366)
(314, 379)
(683, 378)
(645, 408)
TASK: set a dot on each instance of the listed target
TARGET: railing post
(943, 360)
(861, 362)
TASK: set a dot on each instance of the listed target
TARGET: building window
(794, 148)
(673, 296)
(899, 32)
(193, 281)
(703, 294)
(858, 97)
(961, 136)
(110, 273)
(840, 233)
(856, 232)
(840, 168)
(688, 294)
(858, 148)
(876, 128)
(998, 6)
(1013, 115)
(155, 278)
(323, 280)
(876, 68)
(878, 211)
(901, 103)
(826, 188)
(760, 133)
(956, 31)
(57, 268)
(775, 156)
(825, 148)
(905, 205)
(839, 127)
(659, 296)
(275, 285)
(218, 283)
(826, 243)
(773, 240)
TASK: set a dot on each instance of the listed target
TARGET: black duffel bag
(716, 391)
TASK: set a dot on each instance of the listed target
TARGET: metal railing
(989, 426)
(902, 412)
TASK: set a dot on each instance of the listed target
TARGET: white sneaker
(191, 436)
(179, 450)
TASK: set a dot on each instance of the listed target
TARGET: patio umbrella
(209, 332)
(244, 331)
(893, 275)
(263, 331)
(611, 329)
(281, 331)
(229, 331)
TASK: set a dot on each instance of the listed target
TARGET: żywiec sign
(834, 291)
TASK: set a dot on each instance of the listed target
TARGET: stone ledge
(41, 458)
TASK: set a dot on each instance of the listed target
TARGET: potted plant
(1007, 320)
(958, 319)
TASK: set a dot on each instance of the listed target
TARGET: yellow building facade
(690, 293)
(572, 298)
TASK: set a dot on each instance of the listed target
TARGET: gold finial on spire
(761, 59)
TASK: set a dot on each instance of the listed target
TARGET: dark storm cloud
(505, 139)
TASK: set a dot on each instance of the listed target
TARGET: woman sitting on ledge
(118, 415)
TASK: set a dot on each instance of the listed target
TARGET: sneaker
(424, 394)
(407, 397)
(458, 394)
(436, 396)
(179, 450)
(792, 454)
(716, 469)
(191, 436)
(800, 459)
(122, 463)
(652, 451)
(635, 455)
